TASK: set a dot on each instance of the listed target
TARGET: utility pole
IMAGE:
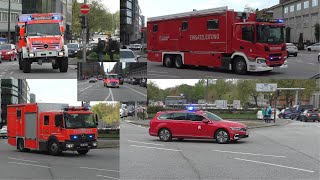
(9, 18)
(84, 38)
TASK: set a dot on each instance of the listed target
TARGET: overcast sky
(108, 66)
(165, 83)
(152, 8)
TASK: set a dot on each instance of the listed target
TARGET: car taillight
(308, 114)
(319, 114)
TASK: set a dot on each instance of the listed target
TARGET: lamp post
(9, 18)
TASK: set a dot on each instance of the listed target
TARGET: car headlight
(75, 51)
(94, 144)
(69, 145)
(235, 128)
(31, 54)
(60, 54)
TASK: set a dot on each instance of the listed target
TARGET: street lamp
(9, 18)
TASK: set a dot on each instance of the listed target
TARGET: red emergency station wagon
(111, 80)
(195, 124)
(220, 38)
(51, 127)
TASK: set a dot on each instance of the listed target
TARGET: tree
(317, 31)
(108, 113)
(246, 89)
(154, 92)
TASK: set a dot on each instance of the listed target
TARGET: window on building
(286, 10)
(18, 114)
(314, 3)
(213, 24)
(292, 8)
(4, 16)
(306, 4)
(13, 17)
(298, 6)
(129, 20)
(46, 120)
(155, 28)
(184, 25)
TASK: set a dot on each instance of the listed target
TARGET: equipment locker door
(30, 129)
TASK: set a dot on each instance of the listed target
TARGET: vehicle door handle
(241, 47)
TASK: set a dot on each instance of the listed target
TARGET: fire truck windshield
(74, 121)
(43, 29)
(112, 76)
(270, 34)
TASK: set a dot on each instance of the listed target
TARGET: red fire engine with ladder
(219, 38)
(51, 127)
(40, 39)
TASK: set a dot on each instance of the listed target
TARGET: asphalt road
(97, 164)
(97, 92)
(10, 69)
(282, 152)
(304, 66)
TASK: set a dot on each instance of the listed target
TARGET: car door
(198, 128)
(45, 127)
(179, 125)
(246, 39)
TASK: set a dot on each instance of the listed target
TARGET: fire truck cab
(51, 127)
(220, 38)
(40, 38)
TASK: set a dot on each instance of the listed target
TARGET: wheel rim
(167, 61)
(54, 147)
(222, 136)
(20, 145)
(240, 66)
(164, 135)
(178, 62)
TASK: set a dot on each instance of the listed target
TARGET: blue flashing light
(91, 136)
(29, 18)
(74, 137)
(271, 58)
(190, 108)
(280, 21)
(55, 17)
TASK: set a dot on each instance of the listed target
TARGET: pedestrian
(269, 112)
(111, 48)
(101, 49)
(264, 114)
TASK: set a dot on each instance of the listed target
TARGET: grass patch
(104, 135)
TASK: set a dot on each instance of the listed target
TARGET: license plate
(85, 144)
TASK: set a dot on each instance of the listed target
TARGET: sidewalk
(108, 143)
(252, 124)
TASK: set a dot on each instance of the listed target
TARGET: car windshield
(113, 76)
(126, 54)
(43, 29)
(74, 121)
(270, 34)
(72, 46)
(5, 47)
(212, 116)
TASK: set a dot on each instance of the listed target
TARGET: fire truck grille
(48, 45)
(275, 57)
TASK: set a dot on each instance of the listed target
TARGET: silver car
(314, 47)
(292, 50)
(4, 132)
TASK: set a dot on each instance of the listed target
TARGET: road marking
(112, 98)
(106, 176)
(248, 153)
(99, 169)
(86, 88)
(158, 72)
(164, 75)
(146, 143)
(21, 159)
(29, 164)
(136, 91)
(148, 147)
(108, 96)
(278, 165)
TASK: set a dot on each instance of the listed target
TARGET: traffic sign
(266, 87)
(85, 9)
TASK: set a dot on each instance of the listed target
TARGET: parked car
(4, 132)
(73, 49)
(298, 110)
(127, 55)
(285, 113)
(292, 50)
(143, 82)
(183, 124)
(100, 77)
(259, 114)
(134, 81)
(8, 52)
(314, 47)
(93, 80)
(310, 115)
(131, 111)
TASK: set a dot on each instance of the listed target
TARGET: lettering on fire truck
(204, 37)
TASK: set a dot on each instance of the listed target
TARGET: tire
(63, 65)
(180, 139)
(178, 62)
(54, 148)
(168, 61)
(240, 66)
(222, 136)
(309, 49)
(295, 54)
(82, 152)
(55, 66)
(20, 146)
(165, 135)
(26, 66)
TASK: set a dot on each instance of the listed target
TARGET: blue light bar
(75, 137)
(29, 18)
(55, 17)
(190, 108)
(280, 21)
(90, 136)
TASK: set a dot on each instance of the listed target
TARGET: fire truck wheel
(26, 66)
(63, 65)
(168, 61)
(54, 148)
(55, 66)
(178, 62)
(83, 152)
(20, 145)
(240, 66)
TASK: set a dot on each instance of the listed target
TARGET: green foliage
(107, 112)
(154, 92)
(155, 109)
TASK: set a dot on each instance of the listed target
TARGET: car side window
(194, 117)
(178, 116)
(165, 116)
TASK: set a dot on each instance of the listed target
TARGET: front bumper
(254, 66)
(75, 145)
(3, 135)
(46, 54)
(113, 84)
(6, 56)
(310, 118)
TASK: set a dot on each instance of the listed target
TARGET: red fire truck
(51, 127)
(40, 39)
(219, 38)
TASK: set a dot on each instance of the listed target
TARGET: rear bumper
(74, 146)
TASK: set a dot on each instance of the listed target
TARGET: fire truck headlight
(261, 61)
(69, 145)
(60, 53)
(31, 54)
(74, 137)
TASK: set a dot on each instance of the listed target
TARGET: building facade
(13, 91)
(300, 16)
(130, 22)
(16, 10)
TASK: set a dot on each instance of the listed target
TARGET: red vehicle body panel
(202, 47)
(111, 81)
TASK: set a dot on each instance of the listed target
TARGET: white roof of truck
(188, 14)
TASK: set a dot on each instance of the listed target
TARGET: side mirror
(205, 121)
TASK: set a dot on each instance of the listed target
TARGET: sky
(164, 83)
(108, 66)
(153, 8)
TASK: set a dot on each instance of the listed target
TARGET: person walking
(101, 49)
(264, 114)
(269, 112)
(111, 48)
